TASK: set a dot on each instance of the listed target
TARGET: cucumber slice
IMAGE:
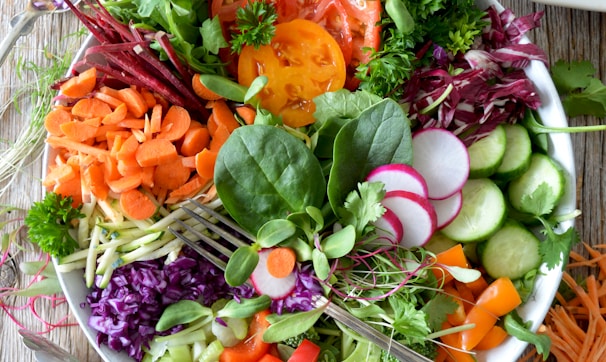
(483, 212)
(517, 153)
(486, 155)
(511, 252)
(542, 170)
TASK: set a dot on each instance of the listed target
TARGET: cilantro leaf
(363, 206)
(255, 25)
(49, 222)
(556, 247)
(437, 309)
(409, 321)
(568, 77)
(581, 91)
(540, 202)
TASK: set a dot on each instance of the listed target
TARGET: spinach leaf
(264, 173)
(381, 135)
(333, 111)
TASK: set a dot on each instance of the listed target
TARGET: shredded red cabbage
(126, 312)
(489, 86)
(306, 288)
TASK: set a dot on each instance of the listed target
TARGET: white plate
(534, 310)
(594, 5)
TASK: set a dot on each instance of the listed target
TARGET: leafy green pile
(407, 25)
(194, 36)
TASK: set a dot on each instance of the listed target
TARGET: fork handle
(395, 348)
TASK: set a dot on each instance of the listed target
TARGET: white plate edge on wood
(552, 114)
(590, 5)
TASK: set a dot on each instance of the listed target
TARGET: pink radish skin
(442, 159)
(447, 209)
(399, 176)
(265, 283)
(389, 230)
(418, 218)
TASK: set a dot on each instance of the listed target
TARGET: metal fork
(396, 349)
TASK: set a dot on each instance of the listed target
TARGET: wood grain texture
(565, 34)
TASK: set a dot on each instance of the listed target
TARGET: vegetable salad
(318, 127)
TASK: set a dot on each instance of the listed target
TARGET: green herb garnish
(49, 222)
(255, 23)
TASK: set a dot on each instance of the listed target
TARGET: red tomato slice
(330, 14)
(363, 18)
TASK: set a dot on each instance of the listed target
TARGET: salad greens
(304, 188)
(195, 36)
(409, 30)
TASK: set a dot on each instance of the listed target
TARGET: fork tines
(223, 231)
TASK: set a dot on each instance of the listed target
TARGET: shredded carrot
(577, 325)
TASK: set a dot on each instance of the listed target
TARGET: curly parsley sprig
(49, 222)
(255, 25)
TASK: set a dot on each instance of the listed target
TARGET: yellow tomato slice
(302, 62)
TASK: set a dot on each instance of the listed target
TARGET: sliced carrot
(155, 152)
(54, 119)
(247, 114)
(128, 151)
(224, 115)
(201, 90)
(90, 108)
(125, 183)
(189, 162)
(78, 131)
(218, 139)
(136, 205)
(191, 188)
(58, 174)
(80, 85)
(117, 115)
(251, 348)
(135, 102)
(74, 146)
(137, 123)
(205, 163)
(155, 121)
(147, 176)
(110, 169)
(94, 179)
(175, 123)
(113, 102)
(150, 100)
(71, 187)
(281, 262)
(171, 175)
(195, 140)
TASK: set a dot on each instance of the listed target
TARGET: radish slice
(399, 176)
(442, 159)
(416, 214)
(447, 209)
(265, 283)
(388, 229)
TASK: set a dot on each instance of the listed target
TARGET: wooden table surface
(565, 34)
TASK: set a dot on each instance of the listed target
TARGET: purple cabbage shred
(125, 313)
(490, 87)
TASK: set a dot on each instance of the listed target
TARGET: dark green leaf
(181, 312)
(381, 135)
(274, 232)
(339, 243)
(263, 173)
(517, 328)
(245, 307)
(240, 266)
(290, 325)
